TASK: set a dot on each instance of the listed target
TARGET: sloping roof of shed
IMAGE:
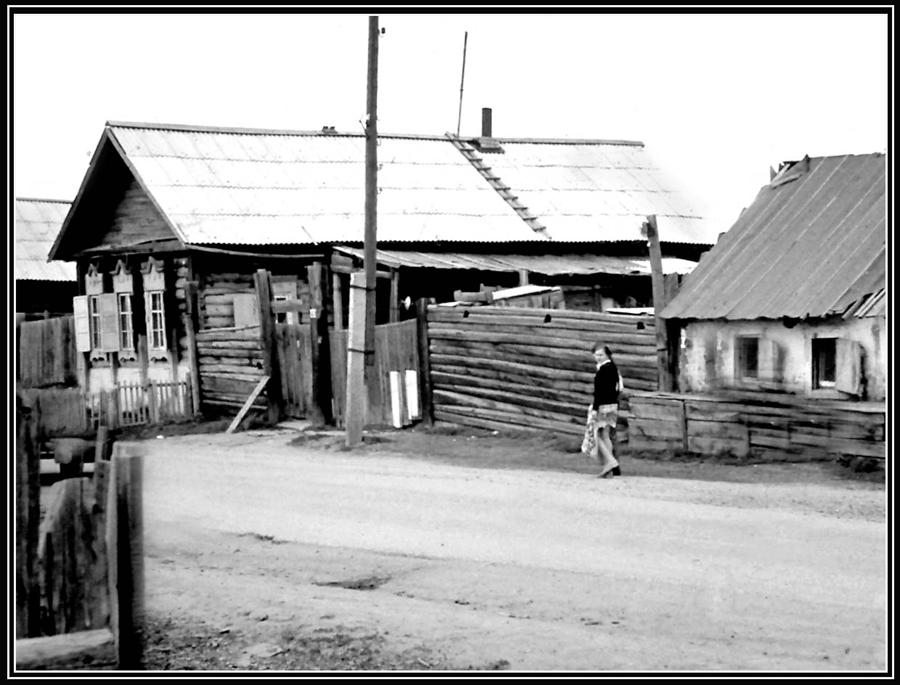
(254, 187)
(37, 224)
(551, 265)
(812, 244)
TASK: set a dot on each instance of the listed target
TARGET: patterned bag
(589, 444)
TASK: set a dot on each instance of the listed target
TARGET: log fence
(501, 368)
(776, 426)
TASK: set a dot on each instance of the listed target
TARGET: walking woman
(604, 409)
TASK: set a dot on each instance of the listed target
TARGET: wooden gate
(294, 347)
(394, 398)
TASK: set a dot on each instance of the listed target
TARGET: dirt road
(267, 544)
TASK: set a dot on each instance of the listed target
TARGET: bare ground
(267, 592)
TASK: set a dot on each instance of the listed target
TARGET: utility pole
(370, 257)
(361, 336)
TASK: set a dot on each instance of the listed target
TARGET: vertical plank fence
(91, 571)
(46, 354)
(391, 400)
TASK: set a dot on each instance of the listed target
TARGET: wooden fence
(394, 398)
(46, 353)
(502, 368)
(70, 412)
(771, 425)
(79, 573)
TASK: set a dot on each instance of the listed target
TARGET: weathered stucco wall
(707, 359)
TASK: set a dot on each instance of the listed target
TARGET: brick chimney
(486, 122)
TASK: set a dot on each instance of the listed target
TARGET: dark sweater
(606, 381)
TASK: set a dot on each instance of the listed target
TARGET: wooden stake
(424, 362)
(666, 378)
(267, 339)
(355, 397)
(247, 404)
(125, 548)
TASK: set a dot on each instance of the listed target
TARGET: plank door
(295, 367)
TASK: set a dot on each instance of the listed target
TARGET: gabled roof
(37, 224)
(255, 187)
(812, 244)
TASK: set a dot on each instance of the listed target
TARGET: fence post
(125, 551)
(263, 282)
(28, 493)
(424, 362)
(151, 403)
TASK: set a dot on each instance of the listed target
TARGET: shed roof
(551, 265)
(37, 224)
(812, 244)
(259, 187)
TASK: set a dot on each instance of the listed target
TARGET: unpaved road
(269, 543)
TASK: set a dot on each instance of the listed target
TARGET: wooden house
(43, 289)
(173, 225)
(792, 298)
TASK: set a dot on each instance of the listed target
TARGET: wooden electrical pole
(369, 263)
(361, 336)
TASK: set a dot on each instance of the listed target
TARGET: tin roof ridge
(200, 128)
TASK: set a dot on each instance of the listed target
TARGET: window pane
(748, 351)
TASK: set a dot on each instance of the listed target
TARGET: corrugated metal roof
(550, 265)
(589, 191)
(263, 188)
(808, 247)
(36, 227)
(220, 186)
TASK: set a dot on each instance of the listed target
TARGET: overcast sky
(716, 98)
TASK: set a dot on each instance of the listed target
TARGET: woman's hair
(606, 350)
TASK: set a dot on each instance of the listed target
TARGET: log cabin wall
(499, 368)
(230, 353)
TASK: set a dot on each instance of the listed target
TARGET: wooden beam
(337, 300)
(263, 282)
(425, 388)
(243, 412)
(125, 549)
(666, 378)
(394, 312)
(189, 317)
(316, 319)
(70, 651)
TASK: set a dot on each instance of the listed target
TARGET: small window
(156, 318)
(283, 317)
(126, 324)
(94, 319)
(748, 358)
(824, 355)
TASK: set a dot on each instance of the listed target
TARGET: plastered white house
(793, 297)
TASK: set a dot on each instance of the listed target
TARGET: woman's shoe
(616, 471)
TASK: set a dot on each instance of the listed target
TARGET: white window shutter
(108, 306)
(847, 372)
(82, 323)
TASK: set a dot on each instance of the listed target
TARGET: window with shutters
(747, 358)
(824, 359)
(156, 320)
(126, 323)
(123, 286)
(94, 321)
